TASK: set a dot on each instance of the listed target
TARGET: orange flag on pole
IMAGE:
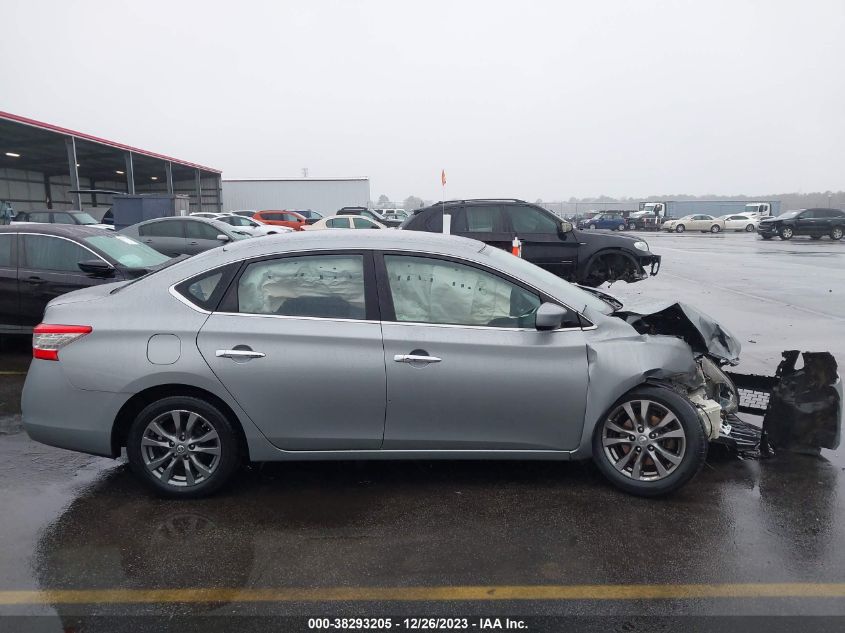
(443, 177)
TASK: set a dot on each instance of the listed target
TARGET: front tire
(668, 448)
(680, 228)
(836, 233)
(183, 447)
(592, 227)
(715, 228)
(786, 233)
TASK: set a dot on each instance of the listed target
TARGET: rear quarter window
(206, 290)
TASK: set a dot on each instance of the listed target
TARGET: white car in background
(698, 222)
(741, 222)
(344, 222)
(245, 224)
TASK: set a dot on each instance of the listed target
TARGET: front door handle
(35, 281)
(414, 358)
(238, 353)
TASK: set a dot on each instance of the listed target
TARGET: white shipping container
(324, 195)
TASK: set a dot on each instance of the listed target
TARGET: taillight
(48, 339)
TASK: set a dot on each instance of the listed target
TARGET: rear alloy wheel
(680, 228)
(749, 228)
(650, 443)
(836, 233)
(786, 233)
(621, 227)
(715, 228)
(183, 447)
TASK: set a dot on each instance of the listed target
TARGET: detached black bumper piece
(801, 408)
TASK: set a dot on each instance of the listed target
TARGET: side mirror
(549, 316)
(96, 267)
(223, 238)
(565, 226)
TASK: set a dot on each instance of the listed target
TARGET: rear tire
(680, 228)
(621, 227)
(836, 233)
(749, 228)
(183, 447)
(669, 435)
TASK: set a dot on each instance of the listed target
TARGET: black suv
(813, 222)
(369, 213)
(588, 258)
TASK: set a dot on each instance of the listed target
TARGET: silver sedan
(432, 347)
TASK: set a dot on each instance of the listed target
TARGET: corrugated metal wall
(324, 196)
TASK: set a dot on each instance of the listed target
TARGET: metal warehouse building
(40, 164)
(325, 195)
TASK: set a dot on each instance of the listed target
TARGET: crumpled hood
(701, 332)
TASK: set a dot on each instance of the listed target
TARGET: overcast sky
(525, 99)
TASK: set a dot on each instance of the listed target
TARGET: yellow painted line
(435, 594)
(12, 373)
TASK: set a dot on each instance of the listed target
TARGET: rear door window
(338, 223)
(484, 219)
(363, 223)
(43, 252)
(38, 217)
(325, 286)
(162, 229)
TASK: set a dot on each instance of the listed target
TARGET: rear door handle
(35, 281)
(238, 353)
(413, 358)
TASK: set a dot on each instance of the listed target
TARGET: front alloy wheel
(715, 228)
(680, 228)
(786, 233)
(651, 442)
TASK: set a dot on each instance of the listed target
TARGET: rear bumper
(57, 413)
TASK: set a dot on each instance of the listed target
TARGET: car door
(466, 369)
(200, 236)
(48, 266)
(165, 236)
(807, 223)
(543, 243)
(9, 299)
(297, 342)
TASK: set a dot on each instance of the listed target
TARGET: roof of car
(62, 230)
(380, 239)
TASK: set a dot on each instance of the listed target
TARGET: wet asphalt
(70, 521)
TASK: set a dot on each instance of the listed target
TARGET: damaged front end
(801, 409)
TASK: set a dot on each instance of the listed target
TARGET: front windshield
(84, 218)
(126, 251)
(789, 214)
(568, 293)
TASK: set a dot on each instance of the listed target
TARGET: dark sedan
(813, 222)
(39, 262)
